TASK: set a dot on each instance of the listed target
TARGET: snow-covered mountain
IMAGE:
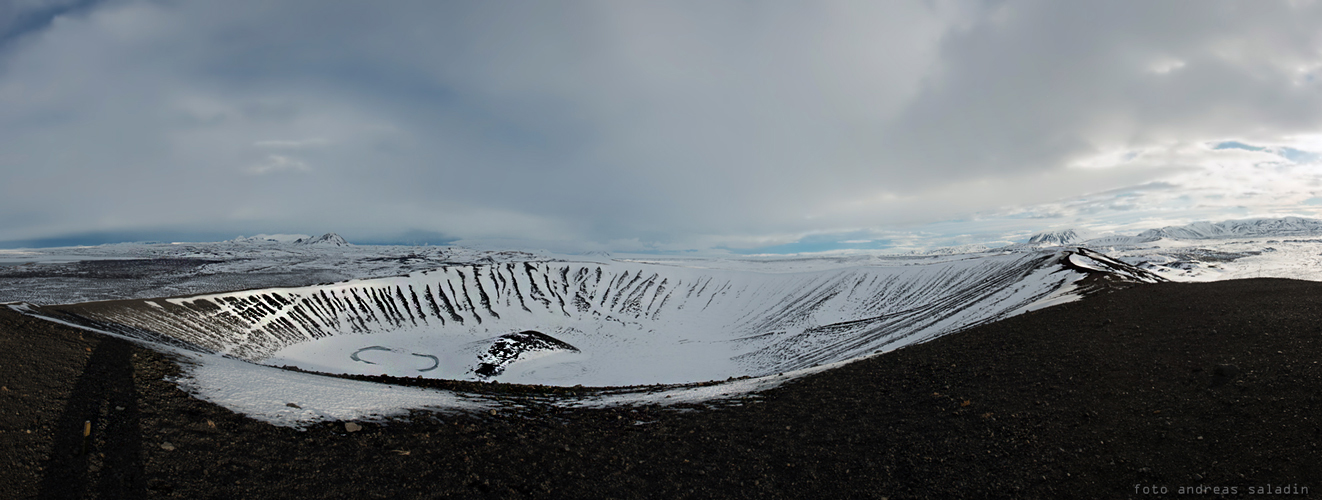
(1249, 228)
(328, 239)
(1055, 238)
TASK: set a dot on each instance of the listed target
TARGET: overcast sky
(653, 126)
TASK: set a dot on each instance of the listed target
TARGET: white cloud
(1166, 66)
(279, 163)
(649, 125)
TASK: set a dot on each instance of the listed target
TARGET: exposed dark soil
(1158, 386)
(110, 269)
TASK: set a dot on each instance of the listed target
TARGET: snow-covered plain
(592, 320)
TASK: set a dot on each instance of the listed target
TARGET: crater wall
(629, 323)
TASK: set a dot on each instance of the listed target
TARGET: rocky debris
(507, 348)
(352, 427)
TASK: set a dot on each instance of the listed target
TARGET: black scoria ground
(1155, 386)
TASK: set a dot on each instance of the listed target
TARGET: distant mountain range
(327, 240)
(1246, 228)
(1249, 228)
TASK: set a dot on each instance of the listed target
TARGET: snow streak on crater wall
(633, 323)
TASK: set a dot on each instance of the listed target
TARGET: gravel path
(1159, 386)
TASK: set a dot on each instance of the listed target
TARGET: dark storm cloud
(621, 125)
(18, 17)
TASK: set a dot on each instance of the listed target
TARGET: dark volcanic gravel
(1158, 386)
